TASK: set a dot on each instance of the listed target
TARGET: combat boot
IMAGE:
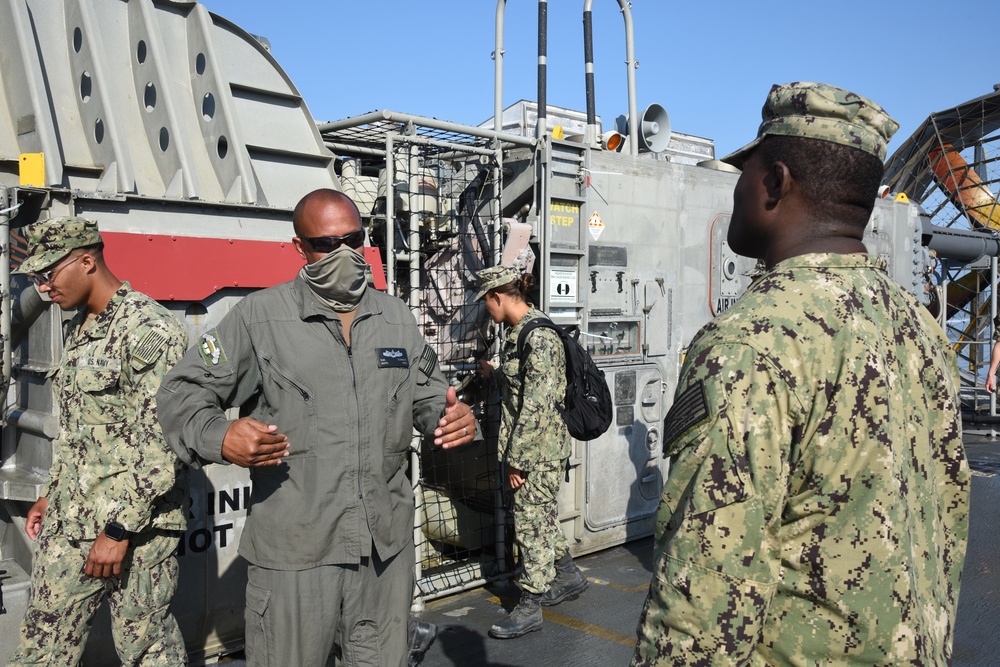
(420, 636)
(567, 585)
(526, 617)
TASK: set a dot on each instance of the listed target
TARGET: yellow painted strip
(631, 589)
(619, 587)
(582, 626)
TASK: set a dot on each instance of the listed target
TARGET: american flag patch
(689, 409)
(149, 347)
(428, 360)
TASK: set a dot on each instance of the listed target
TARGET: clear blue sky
(709, 63)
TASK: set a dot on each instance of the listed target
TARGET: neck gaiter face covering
(339, 279)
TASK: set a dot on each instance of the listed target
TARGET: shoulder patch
(690, 409)
(149, 349)
(210, 348)
(428, 360)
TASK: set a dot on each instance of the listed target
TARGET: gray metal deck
(598, 628)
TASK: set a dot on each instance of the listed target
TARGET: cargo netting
(430, 203)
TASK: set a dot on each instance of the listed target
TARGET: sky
(709, 63)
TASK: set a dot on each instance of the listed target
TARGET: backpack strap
(528, 327)
(522, 340)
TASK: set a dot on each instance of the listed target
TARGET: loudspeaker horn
(655, 134)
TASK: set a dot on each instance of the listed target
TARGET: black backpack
(587, 408)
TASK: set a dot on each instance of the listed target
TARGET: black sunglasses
(330, 243)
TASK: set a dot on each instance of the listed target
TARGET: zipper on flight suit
(357, 401)
(354, 387)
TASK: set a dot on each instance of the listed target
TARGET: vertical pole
(414, 242)
(541, 127)
(945, 281)
(496, 243)
(418, 542)
(5, 297)
(634, 126)
(593, 132)
(498, 68)
(390, 217)
(993, 316)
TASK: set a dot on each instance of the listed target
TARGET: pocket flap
(96, 380)
(257, 599)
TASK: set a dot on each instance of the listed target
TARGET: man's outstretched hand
(457, 426)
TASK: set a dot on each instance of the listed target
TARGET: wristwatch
(116, 531)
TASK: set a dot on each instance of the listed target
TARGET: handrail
(634, 127)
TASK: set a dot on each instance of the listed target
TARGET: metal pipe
(593, 132)
(434, 123)
(348, 149)
(34, 421)
(498, 69)
(426, 141)
(24, 310)
(473, 582)
(945, 282)
(959, 245)
(634, 128)
(390, 218)
(497, 207)
(418, 533)
(973, 418)
(5, 297)
(415, 206)
(993, 319)
(349, 178)
(541, 128)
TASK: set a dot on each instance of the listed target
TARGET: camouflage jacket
(111, 460)
(531, 430)
(817, 506)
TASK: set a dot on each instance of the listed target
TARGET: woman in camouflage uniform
(534, 446)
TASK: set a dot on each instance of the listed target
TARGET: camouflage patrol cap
(51, 240)
(825, 112)
(495, 276)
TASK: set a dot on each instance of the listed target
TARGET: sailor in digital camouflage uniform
(113, 510)
(534, 446)
(816, 511)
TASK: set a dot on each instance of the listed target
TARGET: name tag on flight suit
(392, 357)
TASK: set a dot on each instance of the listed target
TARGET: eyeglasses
(330, 243)
(46, 277)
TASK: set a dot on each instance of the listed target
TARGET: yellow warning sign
(596, 225)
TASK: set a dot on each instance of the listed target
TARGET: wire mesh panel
(430, 203)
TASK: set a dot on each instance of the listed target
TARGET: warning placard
(596, 225)
(562, 286)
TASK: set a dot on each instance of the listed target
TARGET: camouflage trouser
(536, 526)
(64, 600)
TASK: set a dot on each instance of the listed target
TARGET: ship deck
(598, 628)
